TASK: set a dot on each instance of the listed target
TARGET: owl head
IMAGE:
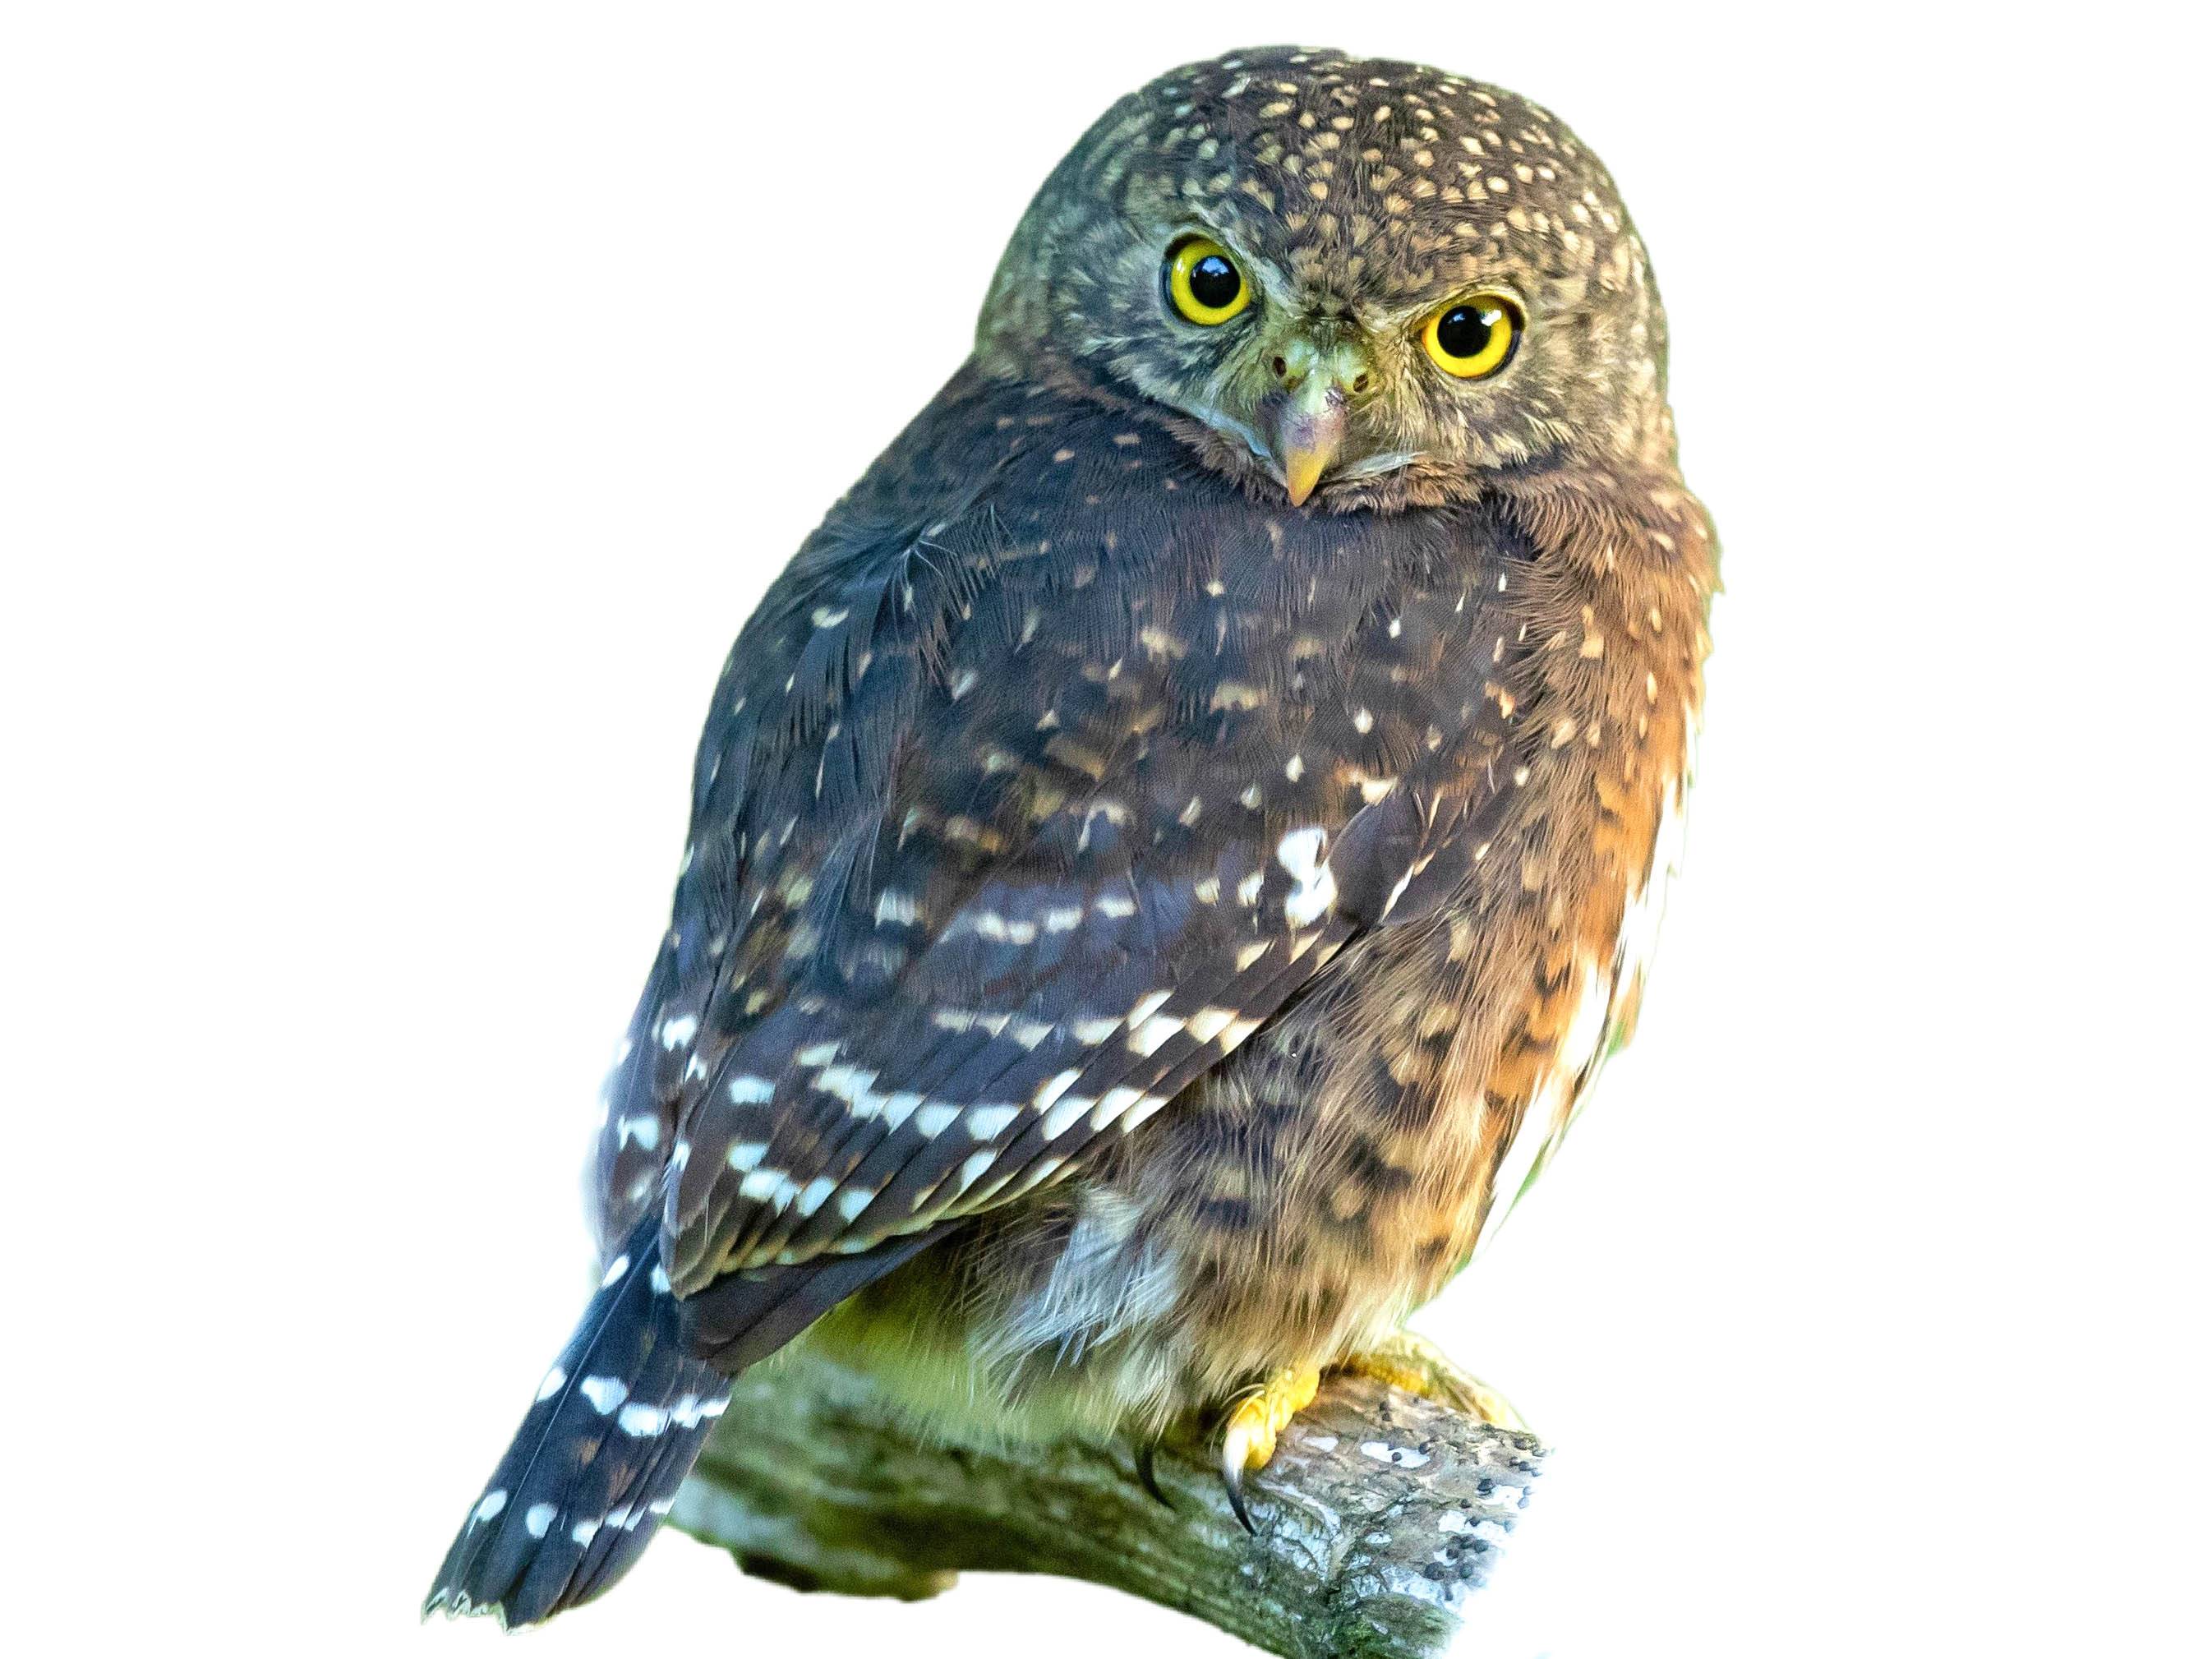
(1356, 281)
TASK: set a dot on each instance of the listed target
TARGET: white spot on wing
(1148, 1038)
(605, 1393)
(1300, 853)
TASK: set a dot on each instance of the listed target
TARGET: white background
(401, 407)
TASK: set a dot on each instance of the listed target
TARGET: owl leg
(1417, 1365)
(1254, 1419)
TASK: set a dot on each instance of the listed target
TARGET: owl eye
(1474, 337)
(1203, 283)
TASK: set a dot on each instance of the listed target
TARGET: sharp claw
(1236, 1452)
(1148, 1475)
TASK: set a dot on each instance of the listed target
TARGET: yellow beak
(1309, 422)
(1309, 432)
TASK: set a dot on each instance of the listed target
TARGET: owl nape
(1171, 853)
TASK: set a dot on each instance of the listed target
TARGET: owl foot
(1417, 1365)
(1254, 1419)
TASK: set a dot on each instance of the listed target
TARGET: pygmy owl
(1170, 854)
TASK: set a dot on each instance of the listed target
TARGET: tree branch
(1380, 1512)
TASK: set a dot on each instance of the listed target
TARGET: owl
(1170, 854)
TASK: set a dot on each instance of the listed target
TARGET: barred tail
(617, 1425)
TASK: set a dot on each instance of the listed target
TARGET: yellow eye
(1474, 337)
(1203, 283)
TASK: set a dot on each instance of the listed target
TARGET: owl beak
(1309, 432)
(1311, 415)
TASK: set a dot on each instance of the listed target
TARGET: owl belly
(1299, 1204)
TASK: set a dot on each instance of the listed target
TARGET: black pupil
(1214, 283)
(1464, 331)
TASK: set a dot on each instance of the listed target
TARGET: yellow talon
(1248, 1441)
(1417, 1365)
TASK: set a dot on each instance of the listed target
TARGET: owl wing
(992, 858)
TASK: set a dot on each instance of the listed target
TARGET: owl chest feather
(1407, 1104)
(1546, 956)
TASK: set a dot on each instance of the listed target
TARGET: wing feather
(1018, 816)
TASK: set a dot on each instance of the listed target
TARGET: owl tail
(617, 1425)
